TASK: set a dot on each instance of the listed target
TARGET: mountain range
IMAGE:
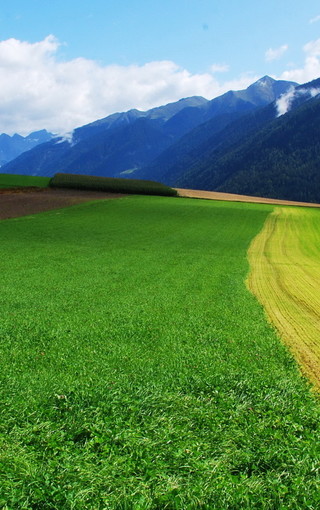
(123, 143)
(281, 159)
(262, 141)
(12, 146)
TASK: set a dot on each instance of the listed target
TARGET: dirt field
(24, 201)
(21, 202)
(214, 195)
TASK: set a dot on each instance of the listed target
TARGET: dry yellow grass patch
(231, 197)
(285, 277)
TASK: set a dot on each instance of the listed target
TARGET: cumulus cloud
(275, 54)
(38, 90)
(311, 67)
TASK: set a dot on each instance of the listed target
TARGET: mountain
(274, 157)
(124, 143)
(205, 142)
(12, 146)
(118, 143)
(224, 128)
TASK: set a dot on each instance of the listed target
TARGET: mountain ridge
(278, 160)
(126, 142)
(12, 146)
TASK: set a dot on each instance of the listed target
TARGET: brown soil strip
(214, 195)
(23, 201)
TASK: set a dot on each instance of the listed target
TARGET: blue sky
(65, 63)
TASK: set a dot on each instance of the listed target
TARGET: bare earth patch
(214, 195)
(24, 201)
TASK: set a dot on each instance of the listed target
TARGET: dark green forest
(281, 160)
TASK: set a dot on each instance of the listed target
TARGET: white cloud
(310, 70)
(37, 90)
(285, 101)
(311, 67)
(271, 54)
(315, 19)
(219, 68)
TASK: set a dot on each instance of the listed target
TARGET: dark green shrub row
(114, 185)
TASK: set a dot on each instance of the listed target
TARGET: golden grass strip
(232, 197)
(285, 277)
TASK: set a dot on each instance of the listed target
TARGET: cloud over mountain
(38, 89)
(283, 104)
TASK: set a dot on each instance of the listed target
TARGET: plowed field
(24, 201)
(285, 276)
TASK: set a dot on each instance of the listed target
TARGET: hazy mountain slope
(105, 153)
(264, 91)
(160, 114)
(119, 150)
(204, 144)
(203, 140)
(12, 146)
(191, 164)
(281, 160)
(172, 162)
(107, 146)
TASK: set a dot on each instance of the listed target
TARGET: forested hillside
(281, 160)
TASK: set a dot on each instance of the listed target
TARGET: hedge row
(114, 185)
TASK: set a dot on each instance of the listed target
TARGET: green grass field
(17, 181)
(137, 370)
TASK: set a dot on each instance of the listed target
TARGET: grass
(285, 277)
(19, 181)
(112, 184)
(138, 372)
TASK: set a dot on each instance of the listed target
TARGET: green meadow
(17, 181)
(137, 370)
